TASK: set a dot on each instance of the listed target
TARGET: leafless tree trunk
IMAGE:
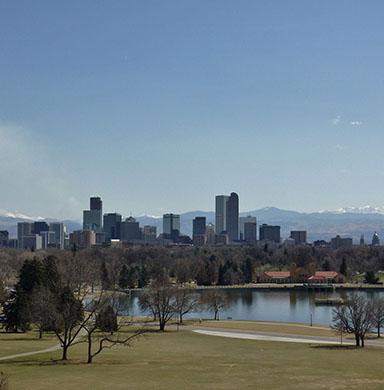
(355, 317)
(159, 298)
(215, 300)
(378, 314)
(185, 302)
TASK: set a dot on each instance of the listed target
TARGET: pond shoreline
(286, 287)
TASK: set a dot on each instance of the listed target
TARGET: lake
(269, 305)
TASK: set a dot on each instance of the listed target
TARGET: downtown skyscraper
(232, 217)
(227, 215)
(93, 218)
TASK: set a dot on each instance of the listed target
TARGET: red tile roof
(277, 274)
(326, 274)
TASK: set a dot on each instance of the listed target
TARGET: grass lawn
(12, 343)
(186, 360)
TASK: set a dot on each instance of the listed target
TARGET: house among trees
(319, 277)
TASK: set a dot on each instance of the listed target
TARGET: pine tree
(104, 276)
(343, 267)
(124, 277)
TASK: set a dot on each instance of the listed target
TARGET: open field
(185, 360)
(12, 343)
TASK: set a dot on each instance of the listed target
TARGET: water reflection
(269, 305)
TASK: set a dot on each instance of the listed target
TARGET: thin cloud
(356, 123)
(31, 178)
(336, 120)
(341, 147)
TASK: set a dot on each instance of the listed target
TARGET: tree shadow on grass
(335, 347)
(58, 362)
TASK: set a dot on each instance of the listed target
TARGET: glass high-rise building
(199, 226)
(111, 226)
(171, 224)
(93, 218)
(221, 213)
(58, 229)
(232, 217)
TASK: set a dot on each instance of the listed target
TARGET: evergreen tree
(143, 277)
(124, 277)
(104, 276)
(370, 277)
(106, 320)
(326, 265)
(247, 269)
(343, 267)
(17, 309)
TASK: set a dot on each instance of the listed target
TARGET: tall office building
(221, 213)
(23, 229)
(32, 241)
(340, 242)
(300, 236)
(130, 230)
(111, 226)
(232, 217)
(4, 238)
(243, 221)
(269, 233)
(92, 218)
(171, 224)
(149, 234)
(47, 239)
(199, 226)
(58, 229)
(40, 226)
(82, 239)
(250, 233)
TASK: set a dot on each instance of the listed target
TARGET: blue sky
(159, 105)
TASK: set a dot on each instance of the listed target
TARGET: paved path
(268, 337)
(46, 350)
(281, 337)
(24, 354)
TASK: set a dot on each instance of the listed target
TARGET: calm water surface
(271, 305)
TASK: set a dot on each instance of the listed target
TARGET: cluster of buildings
(36, 235)
(111, 229)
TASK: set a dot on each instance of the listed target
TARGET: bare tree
(185, 302)
(106, 328)
(159, 299)
(378, 314)
(215, 300)
(355, 317)
(68, 318)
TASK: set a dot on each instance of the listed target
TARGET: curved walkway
(269, 337)
(24, 354)
(281, 337)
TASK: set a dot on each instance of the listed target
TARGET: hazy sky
(159, 105)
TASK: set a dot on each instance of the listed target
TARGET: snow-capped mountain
(358, 210)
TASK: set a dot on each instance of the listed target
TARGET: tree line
(134, 267)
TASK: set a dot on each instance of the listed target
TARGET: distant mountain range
(347, 222)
